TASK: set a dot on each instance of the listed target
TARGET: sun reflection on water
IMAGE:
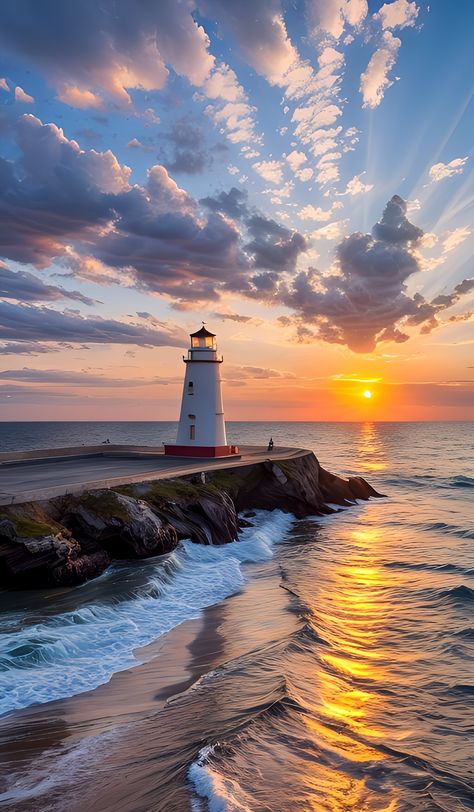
(370, 448)
(348, 702)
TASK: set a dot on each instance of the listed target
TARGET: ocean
(316, 665)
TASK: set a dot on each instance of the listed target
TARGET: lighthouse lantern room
(201, 430)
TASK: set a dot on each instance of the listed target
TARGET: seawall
(73, 536)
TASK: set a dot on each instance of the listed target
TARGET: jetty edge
(69, 538)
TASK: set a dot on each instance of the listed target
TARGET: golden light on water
(349, 704)
(370, 449)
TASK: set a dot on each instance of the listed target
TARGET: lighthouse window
(190, 388)
(192, 432)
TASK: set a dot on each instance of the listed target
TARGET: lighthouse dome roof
(202, 333)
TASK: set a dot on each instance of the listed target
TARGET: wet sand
(123, 745)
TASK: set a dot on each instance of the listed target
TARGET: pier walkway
(36, 475)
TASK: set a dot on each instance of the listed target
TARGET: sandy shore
(122, 746)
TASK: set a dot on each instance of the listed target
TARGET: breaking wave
(76, 651)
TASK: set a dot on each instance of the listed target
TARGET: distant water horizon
(334, 442)
(24, 435)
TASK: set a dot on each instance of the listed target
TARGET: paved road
(53, 477)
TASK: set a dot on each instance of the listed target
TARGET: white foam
(76, 651)
(222, 794)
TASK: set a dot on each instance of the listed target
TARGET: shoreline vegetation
(70, 539)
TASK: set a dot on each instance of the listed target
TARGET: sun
(367, 394)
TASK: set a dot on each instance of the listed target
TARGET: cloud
(398, 14)
(21, 322)
(249, 152)
(235, 119)
(223, 84)
(259, 373)
(364, 300)
(135, 143)
(91, 269)
(310, 212)
(328, 169)
(330, 232)
(75, 378)
(356, 187)
(233, 203)
(331, 16)
(29, 348)
(447, 300)
(440, 171)
(109, 46)
(76, 97)
(295, 159)
(269, 170)
(54, 192)
(428, 312)
(259, 29)
(58, 198)
(4, 85)
(455, 238)
(273, 247)
(232, 317)
(330, 56)
(366, 297)
(25, 287)
(304, 175)
(374, 81)
(22, 97)
(188, 148)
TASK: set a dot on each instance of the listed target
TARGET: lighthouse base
(201, 451)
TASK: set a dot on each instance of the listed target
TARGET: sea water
(364, 702)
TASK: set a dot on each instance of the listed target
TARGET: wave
(466, 634)
(415, 565)
(427, 480)
(463, 689)
(450, 529)
(462, 481)
(459, 594)
(77, 651)
(222, 794)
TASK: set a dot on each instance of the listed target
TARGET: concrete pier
(43, 474)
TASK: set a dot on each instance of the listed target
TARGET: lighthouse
(201, 430)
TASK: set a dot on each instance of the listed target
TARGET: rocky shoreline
(69, 539)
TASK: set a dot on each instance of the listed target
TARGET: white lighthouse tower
(201, 430)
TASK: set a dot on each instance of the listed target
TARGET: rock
(76, 571)
(278, 473)
(124, 526)
(47, 561)
(291, 486)
(298, 485)
(199, 513)
(344, 491)
(7, 530)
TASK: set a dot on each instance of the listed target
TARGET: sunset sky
(298, 175)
